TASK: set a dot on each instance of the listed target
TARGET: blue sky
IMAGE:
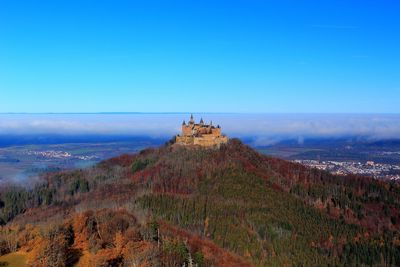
(201, 56)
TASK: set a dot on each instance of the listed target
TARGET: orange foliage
(212, 253)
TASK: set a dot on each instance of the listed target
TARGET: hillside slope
(226, 207)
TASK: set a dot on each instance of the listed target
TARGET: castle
(201, 134)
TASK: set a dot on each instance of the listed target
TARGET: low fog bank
(20, 139)
(258, 129)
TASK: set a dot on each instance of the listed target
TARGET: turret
(191, 119)
(186, 129)
(210, 127)
(201, 121)
(217, 131)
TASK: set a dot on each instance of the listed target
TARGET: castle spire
(183, 123)
(191, 119)
(201, 121)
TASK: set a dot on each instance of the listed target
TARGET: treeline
(363, 200)
(233, 201)
(265, 208)
(269, 227)
(59, 189)
(16, 199)
(108, 238)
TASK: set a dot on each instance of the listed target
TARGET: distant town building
(200, 134)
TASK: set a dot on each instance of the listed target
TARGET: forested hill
(212, 207)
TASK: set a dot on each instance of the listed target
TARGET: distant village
(58, 155)
(369, 168)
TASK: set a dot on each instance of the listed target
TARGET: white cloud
(264, 128)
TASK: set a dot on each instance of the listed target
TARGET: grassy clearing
(16, 259)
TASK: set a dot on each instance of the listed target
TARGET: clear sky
(317, 56)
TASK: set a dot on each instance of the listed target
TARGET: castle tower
(209, 128)
(186, 129)
(191, 121)
(217, 130)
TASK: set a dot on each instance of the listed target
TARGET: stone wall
(208, 141)
(186, 130)
(205, 140)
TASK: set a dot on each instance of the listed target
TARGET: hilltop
(226, 206)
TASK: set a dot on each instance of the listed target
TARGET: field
(16, 259)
